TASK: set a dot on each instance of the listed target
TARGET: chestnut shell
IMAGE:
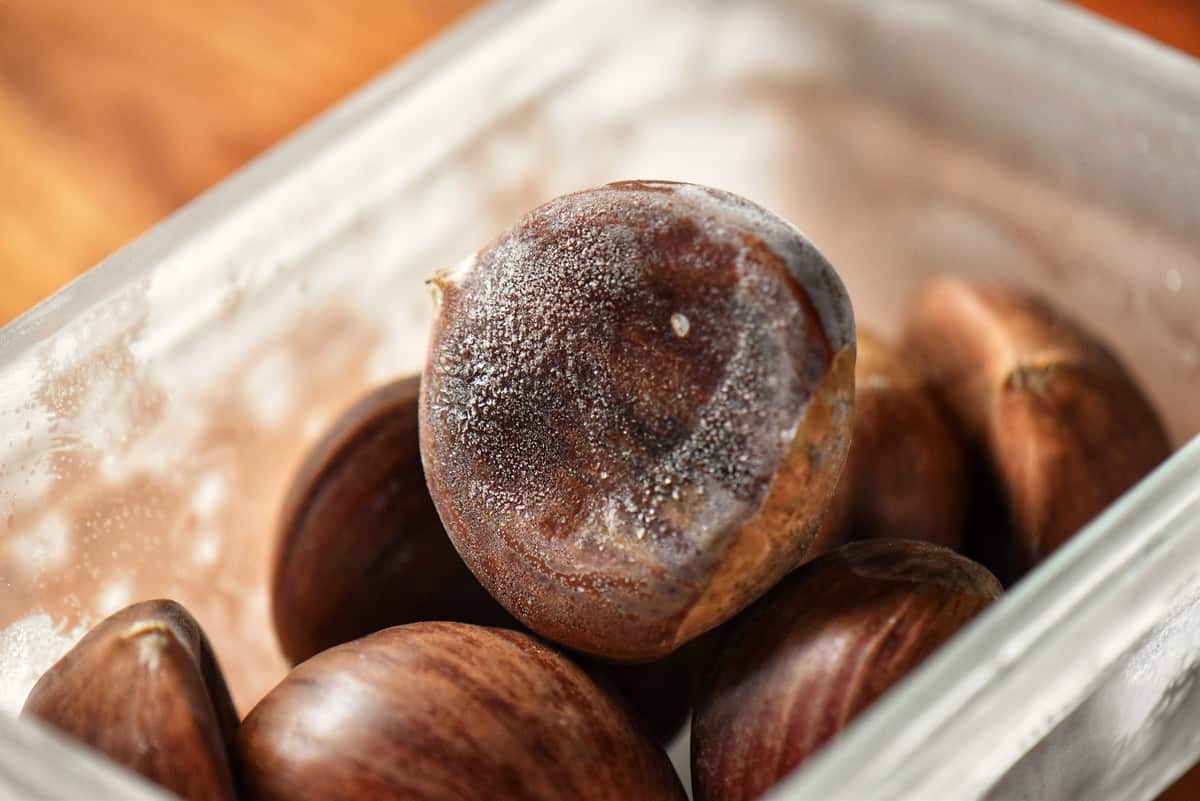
(144, 688)
(800, 664)
(907, 474)
(360, 546)
(446, 712)
(1065, 428)
(635, 407)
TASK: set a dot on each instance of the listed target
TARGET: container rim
(1140, 543)
(230, 197)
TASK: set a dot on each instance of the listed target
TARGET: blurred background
(114, 113)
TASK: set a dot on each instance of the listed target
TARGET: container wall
(151, 415)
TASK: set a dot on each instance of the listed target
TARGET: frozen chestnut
(818, 650)
(144, 688)
(635, 407)
(446, 712)
(1064, 425)
(907, 471)
(360, 543)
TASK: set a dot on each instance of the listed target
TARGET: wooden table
(113, 113)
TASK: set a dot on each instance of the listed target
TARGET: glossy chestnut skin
(824, 645)
(446, 712)
(360, 546)
(907, 474)
(144, 688)
(635, 407)
(1065, 428)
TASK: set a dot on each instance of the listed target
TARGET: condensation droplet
(209, 495)
(114, 596)
(207, 548)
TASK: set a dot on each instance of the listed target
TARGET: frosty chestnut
(635, 407)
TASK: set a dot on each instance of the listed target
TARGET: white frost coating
(452, 276)
(691, 142)
(822, 156)
(44, 546)
(207, 547)
(813, 271)
(28, 647)
(269, 388)
(27, 484)
(114, 596)
(458, 273)
(682, 434)
(210, 494)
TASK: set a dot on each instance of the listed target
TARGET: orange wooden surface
(113, 113)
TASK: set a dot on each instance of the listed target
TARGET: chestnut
(907, 471)
(446, 711)
(827, 642)
(1064, 426)
(635, 407)
(658, 694)
(144, 688)
(360, 543)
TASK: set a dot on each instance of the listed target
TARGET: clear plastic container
(152, 412)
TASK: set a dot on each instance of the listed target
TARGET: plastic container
(152, 412)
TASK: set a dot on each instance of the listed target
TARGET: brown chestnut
(798, 666)
(658, 694)
(907, 471)
(144, 688)
(635, 407)
(360, 543)
(1065, 427)
(446, 712)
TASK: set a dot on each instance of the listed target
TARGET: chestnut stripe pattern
(144, 688)
(451, 712)
(360, 546)
(817, 651)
